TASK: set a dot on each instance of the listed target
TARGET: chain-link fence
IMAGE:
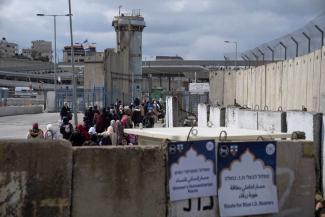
(300, 42)
(89, 97)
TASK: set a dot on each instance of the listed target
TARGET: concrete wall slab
(311, 124)
(119, 181)
(240, 87)
(316, 80)
(284, 85)
(272, 121)
(232, 117)
(247, 119)
(202, 115)
(20, 110)
(322, 83)
(309, 69)
(278, 85)
(217, 116)
(216, 87)
(230, 86)
(291, 83)
(35, 178)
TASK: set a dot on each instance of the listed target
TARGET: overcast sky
(193, 29)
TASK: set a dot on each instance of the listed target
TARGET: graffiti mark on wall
(209, 206)
(198, 207)
(12, 193)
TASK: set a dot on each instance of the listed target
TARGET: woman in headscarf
(35, 132)
(51, 133)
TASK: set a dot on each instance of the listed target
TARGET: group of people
(103, 126)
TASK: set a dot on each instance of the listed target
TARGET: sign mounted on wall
(246, 172)
(199, 88)
(192, 169)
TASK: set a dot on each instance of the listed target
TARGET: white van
(25, 92)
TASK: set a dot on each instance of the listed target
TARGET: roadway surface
(16, 127)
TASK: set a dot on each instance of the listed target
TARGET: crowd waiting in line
(103, 126)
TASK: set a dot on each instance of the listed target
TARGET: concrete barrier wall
(202, 115)
(119, 182)
(247, 119)
(217, 116)
(230, 87)
(20, 110)
(294, 161)
(322, 83)
(232, 117)
(271, 121)
(311, 124)
(216, 87)
(290, 84)
(35, 178)
(24, 101)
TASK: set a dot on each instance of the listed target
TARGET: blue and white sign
(246, 172)
(192, 169)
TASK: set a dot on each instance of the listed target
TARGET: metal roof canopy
(172, 70)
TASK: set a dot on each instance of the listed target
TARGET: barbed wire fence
(300, 42)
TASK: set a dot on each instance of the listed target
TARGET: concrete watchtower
(129, 29)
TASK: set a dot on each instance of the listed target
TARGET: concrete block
(247, 119)
(295, 178)
(119, 182)
(169, 111)
(35, 178)
(202, 115)
(20, 110)
(241, 118)
(217, 116)
(232, 117)
(311, 124)
(272, 121)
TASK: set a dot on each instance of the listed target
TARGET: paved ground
(17, 126)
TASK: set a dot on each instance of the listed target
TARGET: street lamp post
(55, 56)
(234, 42)
(74, 92)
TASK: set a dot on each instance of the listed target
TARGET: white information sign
(199, 87)
(192, 169)
(247, 178)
